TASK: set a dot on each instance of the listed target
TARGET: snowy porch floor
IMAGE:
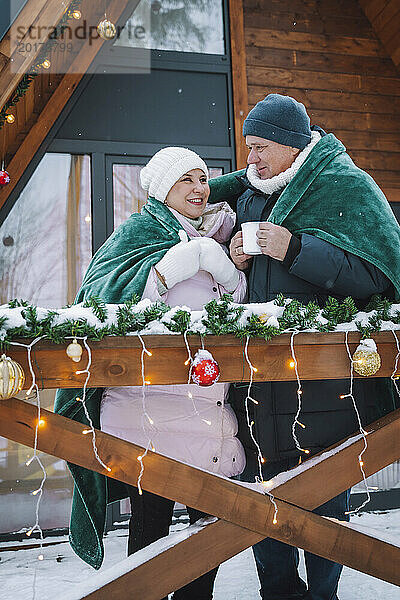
(24, 577)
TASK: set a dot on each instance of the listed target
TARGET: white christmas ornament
(74, 350)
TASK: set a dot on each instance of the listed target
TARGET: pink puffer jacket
(189, 423)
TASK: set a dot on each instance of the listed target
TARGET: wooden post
(239, 78)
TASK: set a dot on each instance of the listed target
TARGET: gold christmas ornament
(106, 30)
(263, 318)
(12, 377)
(366, 360)
(74, 350)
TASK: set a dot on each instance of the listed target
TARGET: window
(46, 237)
(45, 249)
(180, 25)
(129, 197)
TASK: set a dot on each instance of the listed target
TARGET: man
(326, 230)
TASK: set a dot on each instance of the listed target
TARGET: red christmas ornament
(4, 178)
(205, 370)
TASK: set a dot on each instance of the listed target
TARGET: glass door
(123, 184)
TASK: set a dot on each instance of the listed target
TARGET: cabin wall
(327, 55)
(384, 16)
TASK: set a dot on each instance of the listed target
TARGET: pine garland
(95, 320)
(27, 79)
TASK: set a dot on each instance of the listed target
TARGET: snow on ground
(24, 577)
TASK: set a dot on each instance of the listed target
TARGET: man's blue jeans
(277, 563)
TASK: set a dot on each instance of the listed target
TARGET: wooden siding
(326, 54)
(384, 16)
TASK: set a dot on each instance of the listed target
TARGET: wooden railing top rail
(116, 360)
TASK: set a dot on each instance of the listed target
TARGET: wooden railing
(245, 516)
(116, 361)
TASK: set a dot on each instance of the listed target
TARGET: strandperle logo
(58, 46)
(84, 31)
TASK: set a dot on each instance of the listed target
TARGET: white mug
(249, 231)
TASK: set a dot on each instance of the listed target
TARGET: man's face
(269, 157)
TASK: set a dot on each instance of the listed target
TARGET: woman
(172, 252)
(193, 272)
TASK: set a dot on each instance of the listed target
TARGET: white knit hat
(165, 168)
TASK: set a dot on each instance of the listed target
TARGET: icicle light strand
(250, 425)
(361, 428)
(299, 394)
(145, 415)
(396, 362)
(39, 420)
(83, 400)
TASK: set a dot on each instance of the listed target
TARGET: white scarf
(273, 184)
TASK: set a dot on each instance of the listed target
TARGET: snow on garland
(94, 319)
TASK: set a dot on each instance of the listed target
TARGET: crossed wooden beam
(245, 516)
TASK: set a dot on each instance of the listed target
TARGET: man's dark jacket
(313, 269)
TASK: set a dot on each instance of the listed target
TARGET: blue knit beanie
(281, 119)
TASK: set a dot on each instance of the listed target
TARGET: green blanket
(118, 270)
(334, 200)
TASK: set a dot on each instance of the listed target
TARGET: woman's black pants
(150, 521)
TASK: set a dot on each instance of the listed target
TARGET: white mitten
(215, 261)
(180, 262)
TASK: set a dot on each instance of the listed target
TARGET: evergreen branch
(98, 306)
(180, 321)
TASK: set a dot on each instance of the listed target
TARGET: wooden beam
(222, 539)
(116, 361)
(242, 506)
(385, 20)
(28, 14)
(209, 545)
(41, 15)
(372, 8)
(62, 94)
(239, 78)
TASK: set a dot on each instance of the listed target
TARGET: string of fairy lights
(40, 422)
(250, 425)
(299, 393)
(144, 415)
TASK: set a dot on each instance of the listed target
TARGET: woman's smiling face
(190, 193)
